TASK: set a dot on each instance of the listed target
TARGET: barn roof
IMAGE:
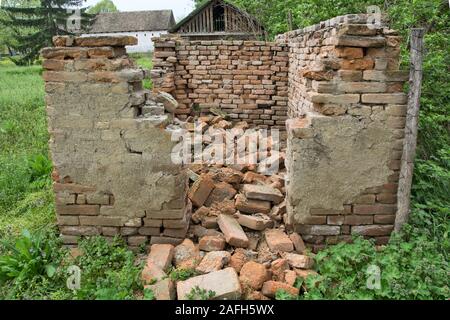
(133, 21)
(199, 9)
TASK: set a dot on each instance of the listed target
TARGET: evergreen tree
(33, 27)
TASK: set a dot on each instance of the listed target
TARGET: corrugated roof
(133, 21)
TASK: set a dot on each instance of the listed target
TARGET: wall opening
(219, 18)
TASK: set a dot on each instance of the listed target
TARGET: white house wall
(145, 42)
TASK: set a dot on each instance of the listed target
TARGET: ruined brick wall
(338, 83)
(246, 79)
(345, 133)
(113, 173)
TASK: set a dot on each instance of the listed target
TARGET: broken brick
(200, 191)
(270, 289)
(262, 192)
(233, 232)
(252, 206)
(277, 240)
(224, 283)
(162, 255)
(213, 261)
(254, 275)
(212, 243)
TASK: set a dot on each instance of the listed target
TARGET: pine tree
(33, 27)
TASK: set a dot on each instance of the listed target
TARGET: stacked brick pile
(246, 79)
(347, 106)
(237, 245)
(113, 174)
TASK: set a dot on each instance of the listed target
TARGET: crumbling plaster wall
(345, 133)
(113, 169)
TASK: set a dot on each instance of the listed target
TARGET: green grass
(144, 60)
(25, 199)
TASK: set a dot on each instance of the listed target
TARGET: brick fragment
(213, 261)
(270, 289)
(254, 275)
(225, 283)
(262, 192)
(233, 232)
(252, 206)
(277, 240)
(212, 243)
(161, 255)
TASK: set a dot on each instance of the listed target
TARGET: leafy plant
(408, 270)
(198, 293)
(31, 261)
(149, 294)
(284, 295)
(182, 274)
(108, 270)
(40, 168)
(29, 257)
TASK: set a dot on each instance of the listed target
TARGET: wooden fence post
(412, 118)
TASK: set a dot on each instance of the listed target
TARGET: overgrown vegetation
(182, 274)
(36, 266)
(198, 293)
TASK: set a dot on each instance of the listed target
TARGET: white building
(143, 25)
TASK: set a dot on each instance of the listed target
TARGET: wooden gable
(221, 19)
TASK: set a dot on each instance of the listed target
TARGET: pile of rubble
(237, 245)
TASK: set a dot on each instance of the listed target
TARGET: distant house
(218, 19)
(141, 24)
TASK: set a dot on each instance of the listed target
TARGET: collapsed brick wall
(246, 79)
(338, 82)
(345, 133)
(113, 173)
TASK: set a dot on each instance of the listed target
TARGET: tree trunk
(412, 118)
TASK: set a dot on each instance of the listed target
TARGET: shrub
(409, 270)
(30, 266)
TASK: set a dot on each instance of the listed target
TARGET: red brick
(387, 198)
(270, 289)
(373, 230)
(239, 258)
(384, 219)
(349, 52)
(252, 206)
(316, 220)
(354, 220)
(254, 275)
(233, 232)
(277, 240)
(161, 255)
(298, 243)
(374, 209)
(102, 41)
(73, 210)
(212, 243)
(365, 199)
(335, 220)
(299, 261)
(358, 64)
